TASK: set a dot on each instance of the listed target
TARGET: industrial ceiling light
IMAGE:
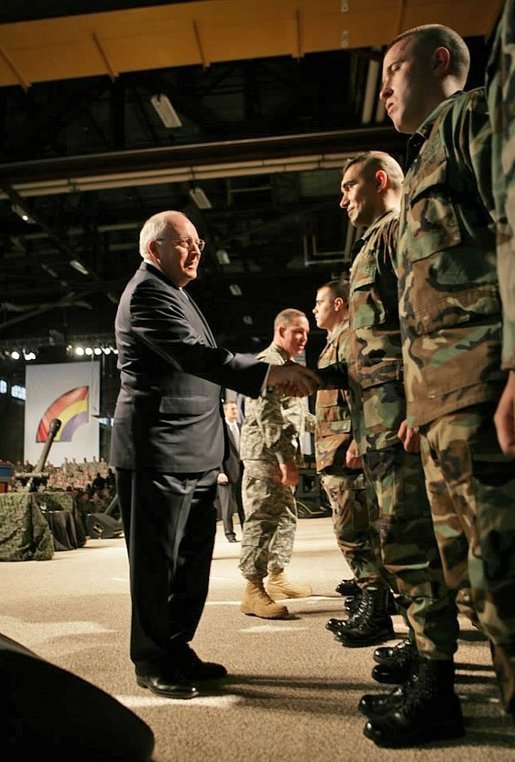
(77, 265)
(235, 289)
(200, 198)
(222, 257)
(21, 212)
(49, 270)
(165, 111)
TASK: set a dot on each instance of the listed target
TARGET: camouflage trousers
(355, 516)
(269, 527)
(409, 549)
(471, 488)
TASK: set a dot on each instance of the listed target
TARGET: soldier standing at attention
(270, 451)
(451, 325)
(500, 82)
(371, 195)
(351, 497)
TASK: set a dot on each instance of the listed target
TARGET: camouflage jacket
(449, 307)
(500, 83)
(273, 423)
(375, 350)
(333, 427)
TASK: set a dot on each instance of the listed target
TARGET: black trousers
(169, 524)
(229, 497)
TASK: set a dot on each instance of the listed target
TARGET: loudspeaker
(102, 525)
(105, 524)
(49, 711)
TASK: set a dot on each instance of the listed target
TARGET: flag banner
(71, 393)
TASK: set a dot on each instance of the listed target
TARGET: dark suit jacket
(168, 415)
(232, 465)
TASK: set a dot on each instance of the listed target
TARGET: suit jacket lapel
(197, 317)
(204, 322)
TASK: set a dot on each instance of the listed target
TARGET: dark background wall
(12, 418)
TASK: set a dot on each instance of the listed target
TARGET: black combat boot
(350, 606)
(348, 587)
(370, 623)
(351, 603)
(430, 711)
(395, 664)
(377, 704)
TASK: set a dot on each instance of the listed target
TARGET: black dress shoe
(193, 668)
(205, 670)
(231, 538)
(171, 687)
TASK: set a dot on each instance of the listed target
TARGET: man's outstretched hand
(293, 379)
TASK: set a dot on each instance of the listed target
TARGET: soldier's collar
(417, 140)
(378, 222)
(281, 351)
(337, 330)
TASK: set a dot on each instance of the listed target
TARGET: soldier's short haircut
(286, 317)
(371, 161)
(338, 287)
(428, 37)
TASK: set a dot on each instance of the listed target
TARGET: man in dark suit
(168, 442)
(229, 478)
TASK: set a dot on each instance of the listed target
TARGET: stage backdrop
(70, 392)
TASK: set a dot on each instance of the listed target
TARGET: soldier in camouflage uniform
(371, 194)
(351, 497)
(451, 324)
(500, 85)
(500, 82)
(269, 449)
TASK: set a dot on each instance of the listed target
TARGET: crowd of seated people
(92, 482)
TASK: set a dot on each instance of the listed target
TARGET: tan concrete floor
(292, 691)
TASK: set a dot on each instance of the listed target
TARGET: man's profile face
(177, 258)
(358, 195)
(325, 312)
(294, 337)
(408, 84)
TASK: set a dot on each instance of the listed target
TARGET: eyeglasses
(187, 243)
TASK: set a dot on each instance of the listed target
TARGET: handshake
(295, 380)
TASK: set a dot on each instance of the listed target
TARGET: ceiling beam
(211, 31)
(195, 162)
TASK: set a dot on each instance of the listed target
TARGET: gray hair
(155, 227)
